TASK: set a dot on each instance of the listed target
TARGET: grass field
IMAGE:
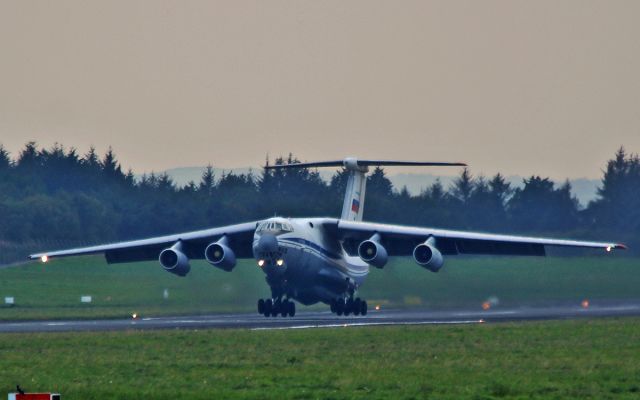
(581, 359)
(53, 290)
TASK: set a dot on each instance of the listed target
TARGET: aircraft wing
(401, 240)
(240, 238)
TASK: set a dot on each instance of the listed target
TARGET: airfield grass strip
(53, 290)
(578, 359)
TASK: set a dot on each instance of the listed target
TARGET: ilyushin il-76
(313, 260)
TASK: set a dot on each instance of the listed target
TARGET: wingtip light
(44, 258)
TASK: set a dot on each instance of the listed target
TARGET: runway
(308, 320)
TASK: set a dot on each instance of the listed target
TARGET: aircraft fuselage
(303, 261)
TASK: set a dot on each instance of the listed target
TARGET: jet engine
(428, 256)
(372, 252)
(220, 255)
(173, 260)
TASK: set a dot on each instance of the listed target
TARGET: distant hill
(584, 189)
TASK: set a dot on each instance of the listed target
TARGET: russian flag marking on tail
(355, 205)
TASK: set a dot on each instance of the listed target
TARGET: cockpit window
(275, 227)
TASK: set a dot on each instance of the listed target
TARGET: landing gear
(348, 306)
(261, 306)
(273, 308)
(292, 308)
(357, 304)
(339, 306)
(268, 306)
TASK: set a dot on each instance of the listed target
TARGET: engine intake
(428, 256)
(372, 252)
(174, 260)
(220, 255)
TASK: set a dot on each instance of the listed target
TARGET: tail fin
(353, 205)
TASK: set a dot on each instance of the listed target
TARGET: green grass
(53, 290)
(580, 359)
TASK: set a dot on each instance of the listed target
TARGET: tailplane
(353, 205)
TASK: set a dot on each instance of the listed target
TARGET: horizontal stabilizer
(366, 163)
(338, 163)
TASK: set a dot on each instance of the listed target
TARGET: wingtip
(620, 246)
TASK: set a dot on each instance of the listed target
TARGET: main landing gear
(273, 307)
(349, 306)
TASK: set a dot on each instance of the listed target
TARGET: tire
(363, 308)
(268, 305)
(292, 309)
(339, 307)
(284, 308)
(348, 307)
(261, 306)
(357, 306)
(277, 305)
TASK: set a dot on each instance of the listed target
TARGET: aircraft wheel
(357, 306)
(275, 310)
(363, 307)
(339, 307)
(348, 307)
(284, 308)
(268, 305)
(261, 306)
(292, 309)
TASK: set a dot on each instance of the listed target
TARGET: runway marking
(348, 325)
(487, 313)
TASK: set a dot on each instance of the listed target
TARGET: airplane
(326, 260)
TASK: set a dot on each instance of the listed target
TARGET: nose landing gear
(348, 306)
(271, 307)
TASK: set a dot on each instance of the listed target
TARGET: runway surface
(305, 320)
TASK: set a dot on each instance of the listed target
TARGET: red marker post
(34, 396)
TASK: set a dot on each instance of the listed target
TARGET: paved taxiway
(325, 319)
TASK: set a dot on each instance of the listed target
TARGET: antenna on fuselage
(353, 205)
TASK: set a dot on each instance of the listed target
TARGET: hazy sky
(545, 87)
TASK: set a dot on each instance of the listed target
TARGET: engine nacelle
(428, 256)
(372, 252)
(174, 260)
(220, 255)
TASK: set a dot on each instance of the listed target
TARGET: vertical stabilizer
(353, 205)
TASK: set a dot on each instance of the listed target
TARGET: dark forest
(57, 197)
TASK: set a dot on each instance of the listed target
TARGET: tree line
(58, 196)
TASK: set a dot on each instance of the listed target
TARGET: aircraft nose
(267, 244)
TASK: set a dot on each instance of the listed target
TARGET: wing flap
(470, 246)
